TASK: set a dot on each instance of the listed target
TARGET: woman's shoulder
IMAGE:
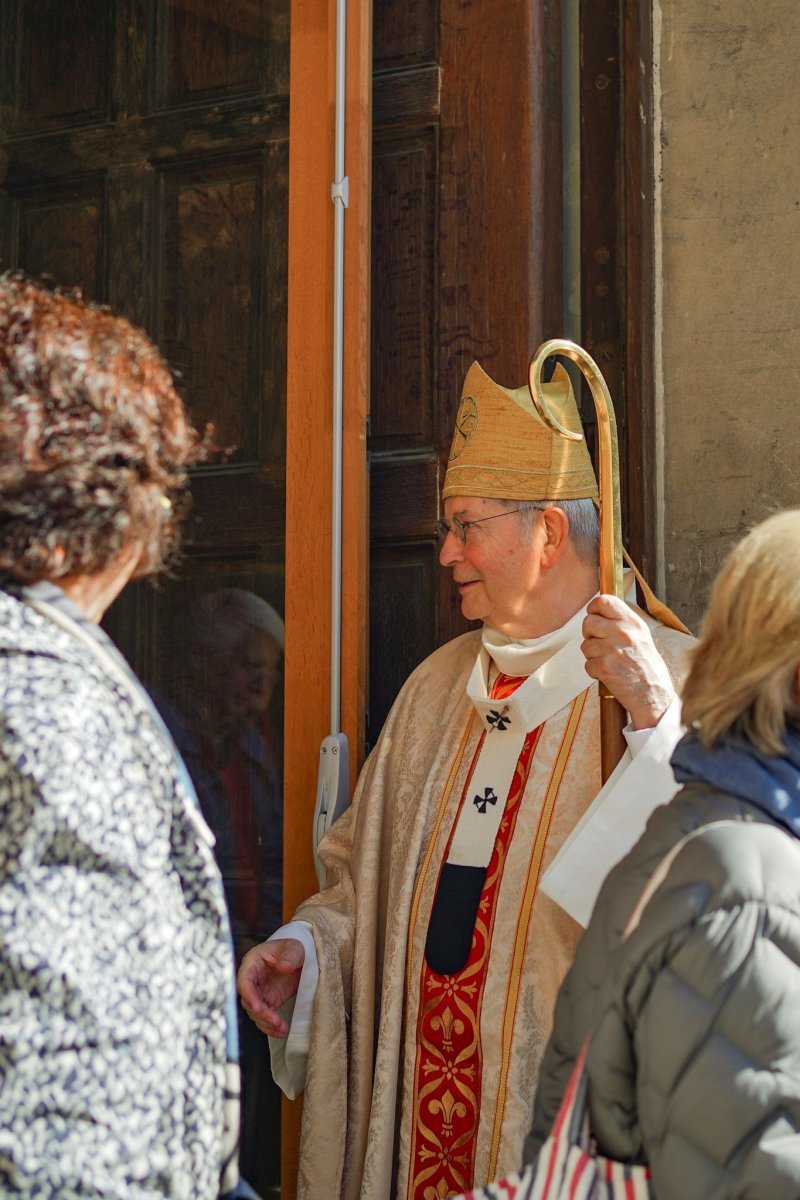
(729, 883)
(55, 700)
(30, 639)
(720, 849)
(712, 972)
(740, 859)
(690, 809)
(58, 725)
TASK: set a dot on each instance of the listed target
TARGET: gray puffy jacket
(694, 1064)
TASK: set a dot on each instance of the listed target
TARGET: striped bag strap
(570, 1128)
(545, 1180)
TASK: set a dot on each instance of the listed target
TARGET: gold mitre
(502, 448)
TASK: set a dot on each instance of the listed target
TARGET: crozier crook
(612, 715)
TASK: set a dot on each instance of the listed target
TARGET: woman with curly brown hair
(118, 1071)
(94, 440)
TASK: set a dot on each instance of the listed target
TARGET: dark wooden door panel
(403, 368)
(403, 585)
(466, 256)
(405, 32)
(404, 577)
(221, 245)
(241, 46)
(56, 63)
(62, 231)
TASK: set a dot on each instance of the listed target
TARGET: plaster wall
(728, 271)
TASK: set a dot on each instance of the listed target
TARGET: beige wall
(728, 203)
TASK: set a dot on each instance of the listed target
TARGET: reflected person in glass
(224, 711)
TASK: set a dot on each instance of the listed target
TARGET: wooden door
(144, 157)
(466, 264)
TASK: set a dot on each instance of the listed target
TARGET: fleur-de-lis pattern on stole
(447, 1083)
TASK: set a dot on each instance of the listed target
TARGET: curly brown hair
(94, 440)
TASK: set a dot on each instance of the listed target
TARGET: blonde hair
(743, 679)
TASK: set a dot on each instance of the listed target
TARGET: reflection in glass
(219, 712)
(221, 708)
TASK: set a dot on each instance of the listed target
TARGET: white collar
(554, 664)
(559, 677)
(523, 656)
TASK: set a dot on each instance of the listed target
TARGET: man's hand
(268, 977)
(620, 651)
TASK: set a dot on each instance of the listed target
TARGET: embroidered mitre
(502, 448)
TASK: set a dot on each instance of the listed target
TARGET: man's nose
(451, 550)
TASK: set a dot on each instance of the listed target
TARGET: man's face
(251, 674)
(499, 569)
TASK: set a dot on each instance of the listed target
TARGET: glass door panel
(144, 158)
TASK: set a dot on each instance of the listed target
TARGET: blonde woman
(694, 1064)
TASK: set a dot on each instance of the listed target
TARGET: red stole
(448, 1067)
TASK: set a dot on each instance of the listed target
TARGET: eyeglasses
(459, 529)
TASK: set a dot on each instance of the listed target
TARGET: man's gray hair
(584, 524)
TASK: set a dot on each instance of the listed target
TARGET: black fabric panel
(455, 907)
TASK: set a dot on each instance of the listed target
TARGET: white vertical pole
(333, 780)
(340, 197)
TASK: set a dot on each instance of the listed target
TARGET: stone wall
(728, 267)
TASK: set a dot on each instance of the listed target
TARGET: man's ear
(556, 526)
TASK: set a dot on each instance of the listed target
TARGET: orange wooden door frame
(309, 431)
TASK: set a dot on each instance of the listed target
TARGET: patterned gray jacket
(114, 958)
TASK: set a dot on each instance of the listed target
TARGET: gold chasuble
(465, 1006)
(420, 1081)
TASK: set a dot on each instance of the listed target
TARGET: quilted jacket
(694, 1064)
(114, 956)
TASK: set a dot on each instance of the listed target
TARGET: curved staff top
(612, 715)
